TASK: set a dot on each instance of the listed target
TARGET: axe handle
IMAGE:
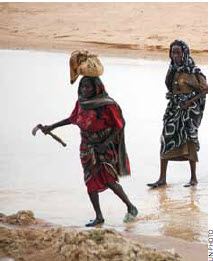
(57, 138)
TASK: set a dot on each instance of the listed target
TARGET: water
(37, 173)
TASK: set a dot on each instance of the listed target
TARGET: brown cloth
(84, 63)
(188, 82)
(185, 152)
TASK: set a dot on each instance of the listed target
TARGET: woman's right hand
(47, 128)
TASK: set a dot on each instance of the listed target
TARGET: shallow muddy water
(39, 174)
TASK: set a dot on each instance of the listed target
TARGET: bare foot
(157, 184)
(191, 184)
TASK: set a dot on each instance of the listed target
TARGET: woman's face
(87, 89)
(177, 54)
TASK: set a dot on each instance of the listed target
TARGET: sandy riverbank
(110, 29)
(22, 242)
(23, 237)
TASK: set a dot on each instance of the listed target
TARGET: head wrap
(101, 97)
(187, 66)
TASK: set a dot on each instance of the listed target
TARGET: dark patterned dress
(96, 126)
(179, 139)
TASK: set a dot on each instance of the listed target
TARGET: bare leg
(193, 181)
(94, 198)
(118, 190)
(162, 179)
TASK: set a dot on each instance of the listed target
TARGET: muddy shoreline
(24, 237)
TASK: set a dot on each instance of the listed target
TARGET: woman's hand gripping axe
(40, 127)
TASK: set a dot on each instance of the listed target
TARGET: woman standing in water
(102, 150)
(187, 89)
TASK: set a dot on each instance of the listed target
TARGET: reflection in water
(180, 217)
(175, 212)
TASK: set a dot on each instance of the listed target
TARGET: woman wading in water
(187, 89)
(102, 150)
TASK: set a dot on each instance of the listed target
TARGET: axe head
(38, 127)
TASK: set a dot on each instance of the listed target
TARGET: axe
(40, 127)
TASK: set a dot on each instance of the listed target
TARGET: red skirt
(98, 181)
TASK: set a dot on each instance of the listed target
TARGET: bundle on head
(84, 63)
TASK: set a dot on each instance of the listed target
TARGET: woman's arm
(200, 95)
(48, 128)
(203, 93)
(201, 86)
(67, 121)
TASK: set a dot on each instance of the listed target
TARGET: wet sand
(24, 237)
(188, 251)
(117, 29)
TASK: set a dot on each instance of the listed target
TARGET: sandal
(156, 185)
(130, 216)
(95, 222)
